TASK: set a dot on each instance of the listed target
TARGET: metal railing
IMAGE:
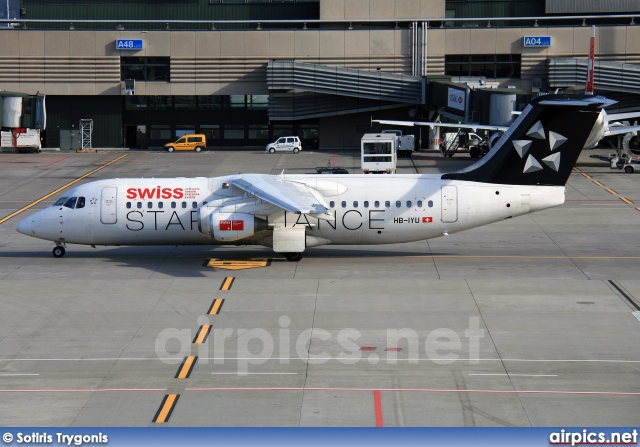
(432, 22)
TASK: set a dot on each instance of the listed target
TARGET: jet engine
(229, 227)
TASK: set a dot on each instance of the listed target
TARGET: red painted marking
(377, 404)
(427, 219)
(225, 225)
(368, 348)
(237, 225)
(393, 349)
(56, 161)
(333, 162)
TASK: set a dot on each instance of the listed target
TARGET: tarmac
(529, 322)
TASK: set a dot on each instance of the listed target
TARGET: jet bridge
(611, 76)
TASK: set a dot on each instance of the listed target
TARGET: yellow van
(191, 142)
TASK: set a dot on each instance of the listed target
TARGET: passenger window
(430, 203)
(61, 201)
(332, 204)
(184, 204)
(366, 204)
(408, 203)
(289, 140)
(139, 205)
(129, 205)
(355, 204)
(80, 203)
(419, 204)
(398, 204)
(160, 205)
(173, 204)
(150, 205)
(181, 140)
(194, 205)
(344, 204)
(387, 204)
(71, 203)
(377, 204)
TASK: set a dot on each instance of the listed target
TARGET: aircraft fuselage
(365, 209)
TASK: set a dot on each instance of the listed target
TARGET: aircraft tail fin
(591, 68)
(542, 145)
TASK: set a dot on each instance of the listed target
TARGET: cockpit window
(61, 201)
(80, 203)
(71, 203)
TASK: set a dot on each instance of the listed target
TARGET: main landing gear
(58, 251)
(293, 257)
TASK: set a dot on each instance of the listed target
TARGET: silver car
(287, 144)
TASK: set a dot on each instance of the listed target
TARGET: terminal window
(147, 69)
(235, 2)
(491, 66)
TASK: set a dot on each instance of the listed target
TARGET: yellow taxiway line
(4, 219)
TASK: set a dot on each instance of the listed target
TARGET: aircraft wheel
(169, 149)
(628, 169)
(58, 251)
(198, 149)
(293, 257)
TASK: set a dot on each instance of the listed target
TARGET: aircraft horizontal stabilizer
(290, 196)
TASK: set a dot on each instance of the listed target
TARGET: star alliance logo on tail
(522, 147)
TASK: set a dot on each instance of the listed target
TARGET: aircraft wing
(431, 125)
(617, 130)
(621, 116)
(294, 197)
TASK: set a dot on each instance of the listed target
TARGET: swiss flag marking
(237, 225)
(225, 225)
(427, 219)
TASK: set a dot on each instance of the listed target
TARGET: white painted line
(247, 374)
(2, 374)
(518, 375)
(364, 358)
(427, 390)
(636, 314)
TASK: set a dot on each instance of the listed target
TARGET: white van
(287, 144)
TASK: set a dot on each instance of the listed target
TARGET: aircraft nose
(24, 226)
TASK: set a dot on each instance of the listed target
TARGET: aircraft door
(108, 205)
(449, 204)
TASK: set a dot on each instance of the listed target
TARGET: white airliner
(524, 172)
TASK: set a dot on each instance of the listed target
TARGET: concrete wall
(202, 62)
(234, 62)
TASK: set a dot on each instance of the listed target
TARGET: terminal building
(244, 72)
